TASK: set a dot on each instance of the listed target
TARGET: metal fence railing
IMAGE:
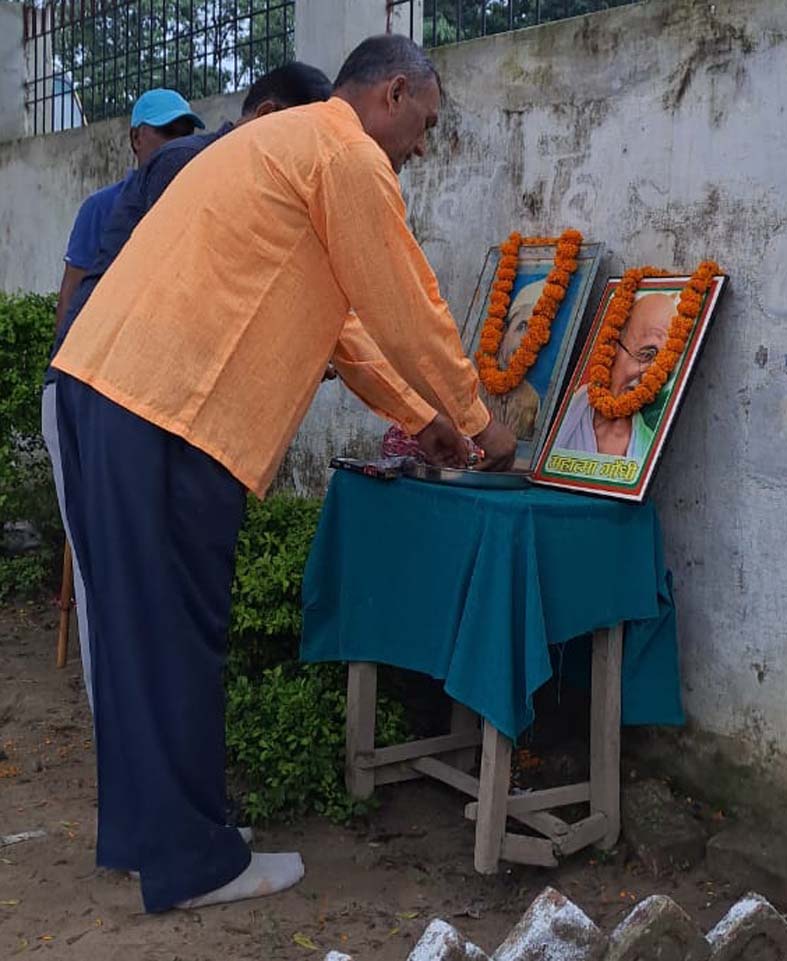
(450, 21)
(90, 59)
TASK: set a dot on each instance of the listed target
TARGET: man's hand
(499, 447)
(442, 444)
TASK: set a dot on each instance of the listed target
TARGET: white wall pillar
(327, 30)
(401, 22)
(12, 72)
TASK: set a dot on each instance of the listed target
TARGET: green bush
(27, 493)
(266, 596)
(285, 720)
(286, 731)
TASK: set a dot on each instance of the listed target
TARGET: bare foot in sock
(247, 833)
(266, 874)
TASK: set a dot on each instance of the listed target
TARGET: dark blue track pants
(155, 523)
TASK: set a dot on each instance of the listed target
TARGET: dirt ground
(369, 889)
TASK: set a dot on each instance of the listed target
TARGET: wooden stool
(449, 758)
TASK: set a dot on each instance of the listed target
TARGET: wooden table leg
(66, 591)
(462, 720)
(605, 730)
(492, 799)
(361, 711)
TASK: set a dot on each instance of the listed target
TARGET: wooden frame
(450, 757)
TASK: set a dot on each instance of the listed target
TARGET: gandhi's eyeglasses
(645, 355)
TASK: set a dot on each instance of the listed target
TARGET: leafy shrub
(27, 493)
(286, 731)
(266, 596)
(285, 720)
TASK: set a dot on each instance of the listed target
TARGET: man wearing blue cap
(158, 117)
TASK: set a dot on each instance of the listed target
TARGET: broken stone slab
(751, 859)
(660, 831)
(752, 930)
(657, 930)
(552, 929)
(442, 942)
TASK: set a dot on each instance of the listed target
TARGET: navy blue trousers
(155, 523)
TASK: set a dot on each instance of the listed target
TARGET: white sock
(266, 874)
(247, 833)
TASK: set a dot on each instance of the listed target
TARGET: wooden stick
(421, 748)
(526, 850)
(66, 592)
(492, 796)
(584, 832)
(441, 771)
(551, 797)
(605, 731)
(463, 719)
(361, 711)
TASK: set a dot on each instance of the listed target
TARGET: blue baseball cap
(159, 107)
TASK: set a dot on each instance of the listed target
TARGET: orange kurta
(218, 317)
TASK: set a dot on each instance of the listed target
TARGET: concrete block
(755, 860)
(552, 929)
(442, 942)
(752, 930)
(657, 930)
(659, 830)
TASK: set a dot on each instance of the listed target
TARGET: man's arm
(71, 279)
(364, 369)
(359, 213)
(362, 365)
(79, 254)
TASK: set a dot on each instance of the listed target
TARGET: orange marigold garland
(600, 397)
(539, 325)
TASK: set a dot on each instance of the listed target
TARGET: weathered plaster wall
(43, 180)
(659, 129)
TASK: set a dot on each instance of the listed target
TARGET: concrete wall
(44, 179)
(659, 129)
(12, 72)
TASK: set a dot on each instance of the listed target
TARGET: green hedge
(285, 720)
(27, 493)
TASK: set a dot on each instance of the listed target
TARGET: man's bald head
(643, 336)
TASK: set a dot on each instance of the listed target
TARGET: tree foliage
(113, 53)
(450, 21)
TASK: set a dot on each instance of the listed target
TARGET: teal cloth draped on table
(472, 586)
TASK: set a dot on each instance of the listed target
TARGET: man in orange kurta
(183, 380)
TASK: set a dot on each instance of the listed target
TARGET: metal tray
(487, 480)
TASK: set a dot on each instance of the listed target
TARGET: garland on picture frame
(539, 326)
(692, 297)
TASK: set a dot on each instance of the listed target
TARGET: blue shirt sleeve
(86, 232)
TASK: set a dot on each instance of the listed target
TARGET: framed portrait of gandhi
(528, 408)
(626, 389)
